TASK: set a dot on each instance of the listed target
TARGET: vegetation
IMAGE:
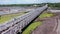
(54, 5)
(21, 5)
(45, 14)
(49, 4)
(34, 24)
(7, 17)
(31, 27)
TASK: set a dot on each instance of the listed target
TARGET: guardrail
(16, 24)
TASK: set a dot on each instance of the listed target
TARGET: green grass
(45, 14)
(36, 23)
(7, 17)
(31, 27)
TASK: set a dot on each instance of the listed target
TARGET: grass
(7, 17)
(45, 14)
(36, 23)
(31, 27)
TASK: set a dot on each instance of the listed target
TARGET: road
(9, 10)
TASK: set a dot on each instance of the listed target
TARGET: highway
(16, 24)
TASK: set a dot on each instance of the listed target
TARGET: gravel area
(49, 26)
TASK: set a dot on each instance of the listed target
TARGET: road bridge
(16, 24)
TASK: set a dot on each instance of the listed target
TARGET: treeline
(54, 5)
(21, 5)
(42, 4)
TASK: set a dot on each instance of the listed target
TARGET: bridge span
(17, 24)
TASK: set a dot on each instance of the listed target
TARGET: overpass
(17, 24)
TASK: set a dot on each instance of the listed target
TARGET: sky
(27, 1)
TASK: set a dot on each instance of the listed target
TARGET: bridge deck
(16, 24)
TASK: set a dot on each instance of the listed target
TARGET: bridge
(17, 24)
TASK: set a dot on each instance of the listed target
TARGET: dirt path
(49, 26)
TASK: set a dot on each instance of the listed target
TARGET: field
(7, 17)
(34, 24)
(45, 14)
